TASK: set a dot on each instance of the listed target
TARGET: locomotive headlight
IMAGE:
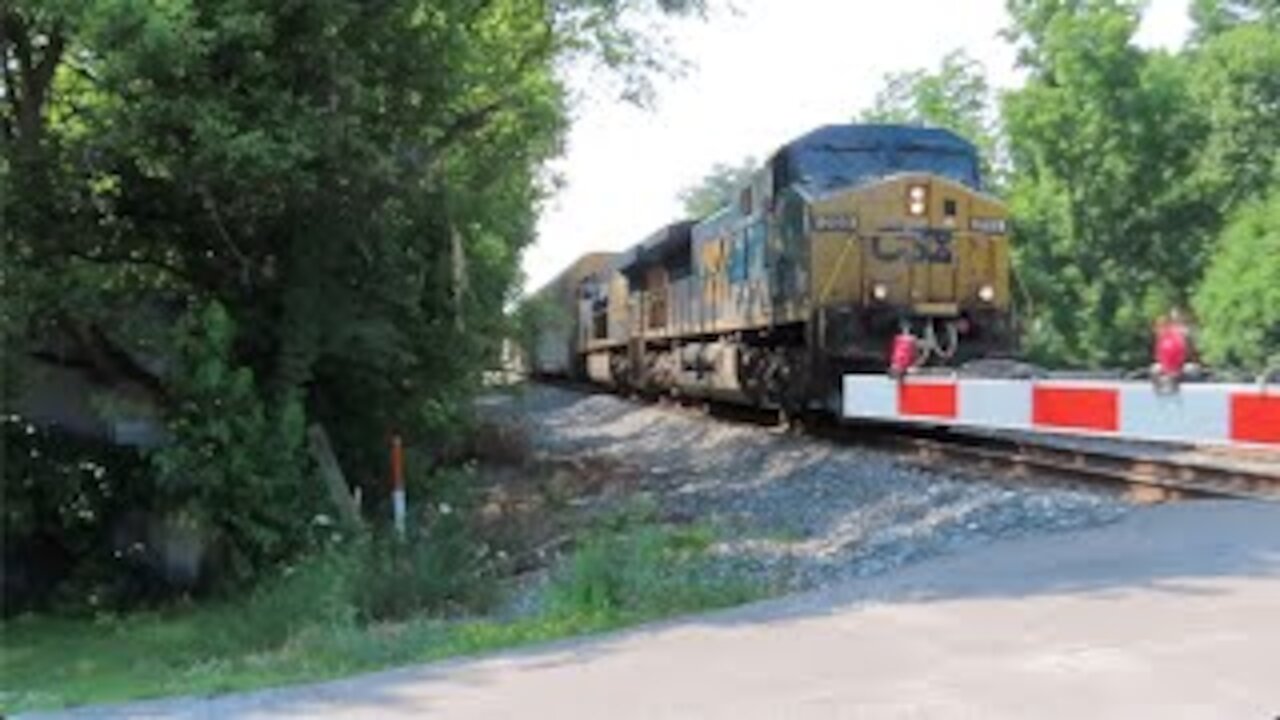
(879, 291)
(986, 293)
(917, 196)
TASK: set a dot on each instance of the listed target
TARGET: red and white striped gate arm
(1195, 413)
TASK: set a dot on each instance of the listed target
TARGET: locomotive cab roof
(838, 156)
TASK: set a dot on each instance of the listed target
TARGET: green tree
(351, 182)
(1236, 87)
(1101, 138)
(230, 475)
(536, 316)
(956, 96)
(1213, 17)
(1235, 65)
(1238, 303)
(717, 187)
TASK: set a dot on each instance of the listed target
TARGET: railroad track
(1146, 478)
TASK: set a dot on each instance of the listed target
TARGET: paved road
(1173, 613)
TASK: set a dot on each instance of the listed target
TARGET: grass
(624, 572)
(55, 663)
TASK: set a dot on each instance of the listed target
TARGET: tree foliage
(1102, 138)
(717, 187)
(1235, 85)
(1239, 301)
(351, 182)
(956, 96)
(539, 316)
(1217, 16)
(230, 475)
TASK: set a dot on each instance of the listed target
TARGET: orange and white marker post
(397, 484)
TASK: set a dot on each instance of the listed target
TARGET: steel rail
(1149, 478)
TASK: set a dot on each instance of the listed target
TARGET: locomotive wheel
(792, 380)
(756, 367)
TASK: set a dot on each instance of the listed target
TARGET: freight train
(848, 237)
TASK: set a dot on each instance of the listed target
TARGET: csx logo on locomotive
(928, 247)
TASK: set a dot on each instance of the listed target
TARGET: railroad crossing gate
(1215, 413)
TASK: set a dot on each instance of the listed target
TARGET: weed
(644, 571)
(368, 603)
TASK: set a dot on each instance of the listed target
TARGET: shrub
(1238, 302)
(440, 567)
(65, 501)
(433, 572)
(644, 571)
(234, 472)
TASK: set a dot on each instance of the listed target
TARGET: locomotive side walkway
(1173, 612)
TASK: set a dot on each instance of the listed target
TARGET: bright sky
(757, 79)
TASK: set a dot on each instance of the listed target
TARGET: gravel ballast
(795, 511)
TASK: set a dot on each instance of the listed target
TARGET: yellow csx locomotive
(847, 237)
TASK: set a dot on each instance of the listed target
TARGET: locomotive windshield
(844, 155)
